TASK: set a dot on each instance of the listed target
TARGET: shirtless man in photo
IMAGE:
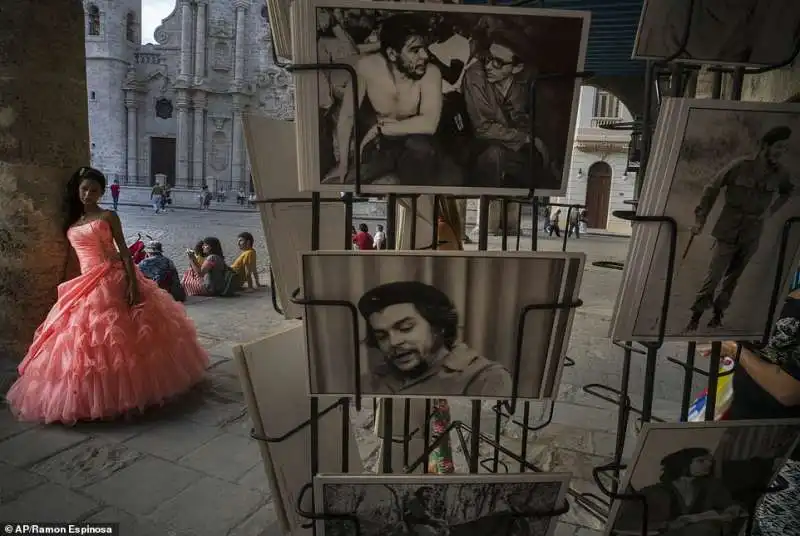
(403, 91)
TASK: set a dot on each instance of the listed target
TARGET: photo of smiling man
(415, 327)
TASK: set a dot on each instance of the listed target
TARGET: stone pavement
(190, 468)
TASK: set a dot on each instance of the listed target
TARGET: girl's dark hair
(676, 465)
(363, 228)
(215, 245)
(198, 248)
(73, 208)
(247, 237)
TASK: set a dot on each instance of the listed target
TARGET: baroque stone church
(174, 109)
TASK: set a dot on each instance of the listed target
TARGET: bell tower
(112, 31)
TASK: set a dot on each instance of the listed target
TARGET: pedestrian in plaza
(241, 197)
(766, 385)
(157, 196)
(166, 197)
(555, 224)
(113, 343)
(161, 269)
(574, 225)
(756, 188)
(363, 240)
(211, 276)
(245, 265)
(115, 193)
(205, 198)
(380, 237)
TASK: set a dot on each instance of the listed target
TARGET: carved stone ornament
(164, 108)
(161, 35)
(219, 122)
(220, 27)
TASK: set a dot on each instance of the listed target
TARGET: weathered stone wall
(107, 115)
(44, 137)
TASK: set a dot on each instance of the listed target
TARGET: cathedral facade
(174, 109)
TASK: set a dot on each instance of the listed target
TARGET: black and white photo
(443, 100)
(463, 505)
(701, 479)
(731, 183)
(721, 32)
(439, 324)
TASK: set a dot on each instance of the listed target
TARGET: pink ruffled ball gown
(96, 357)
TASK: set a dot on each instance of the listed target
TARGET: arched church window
(94, 20)
(130, 27)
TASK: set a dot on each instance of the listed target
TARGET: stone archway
(598, 194)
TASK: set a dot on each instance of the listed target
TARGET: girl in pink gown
(114, 341)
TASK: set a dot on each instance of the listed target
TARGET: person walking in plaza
(380, 237)
(115, 194)
(245, 265)
(363, 240)
(574, 225)
(157, 196)
(114, 342)
(555, 224)
(166, 197)
(756, 188)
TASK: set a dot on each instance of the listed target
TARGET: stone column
(133, 147)
(44, 138)
(200, 42)
(198, 149)
(186, 41)
(496, 218)
(182, 143)
(236, 143)
(238, 65)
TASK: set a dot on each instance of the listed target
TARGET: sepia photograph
(439, 324)
(732, 183)
(274, 374)
(720, 32)
(452, 505)
(272, 146)
(701, 479)
(443, 102)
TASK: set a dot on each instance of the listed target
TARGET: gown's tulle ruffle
(95, 357)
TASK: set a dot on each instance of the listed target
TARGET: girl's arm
(201, 269)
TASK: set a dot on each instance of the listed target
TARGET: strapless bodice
(93, 244)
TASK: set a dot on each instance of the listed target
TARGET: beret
(416, 292)
(776, 134)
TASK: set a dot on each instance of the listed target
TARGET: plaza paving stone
(190, 467)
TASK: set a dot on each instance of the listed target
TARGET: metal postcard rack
(594, 504)
(470, 435)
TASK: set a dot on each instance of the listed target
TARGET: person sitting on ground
(162, 270)
(363, 240)
(245, 264)
(212, 277)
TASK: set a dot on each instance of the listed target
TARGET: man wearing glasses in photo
(496, 93)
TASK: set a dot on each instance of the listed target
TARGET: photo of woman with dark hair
(689, 500)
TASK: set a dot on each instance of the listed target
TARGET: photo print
(701, 479)
(443, 96)
(721, 32)
(731, 183)
(452, 505)
(439, 324)
(273, 374)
